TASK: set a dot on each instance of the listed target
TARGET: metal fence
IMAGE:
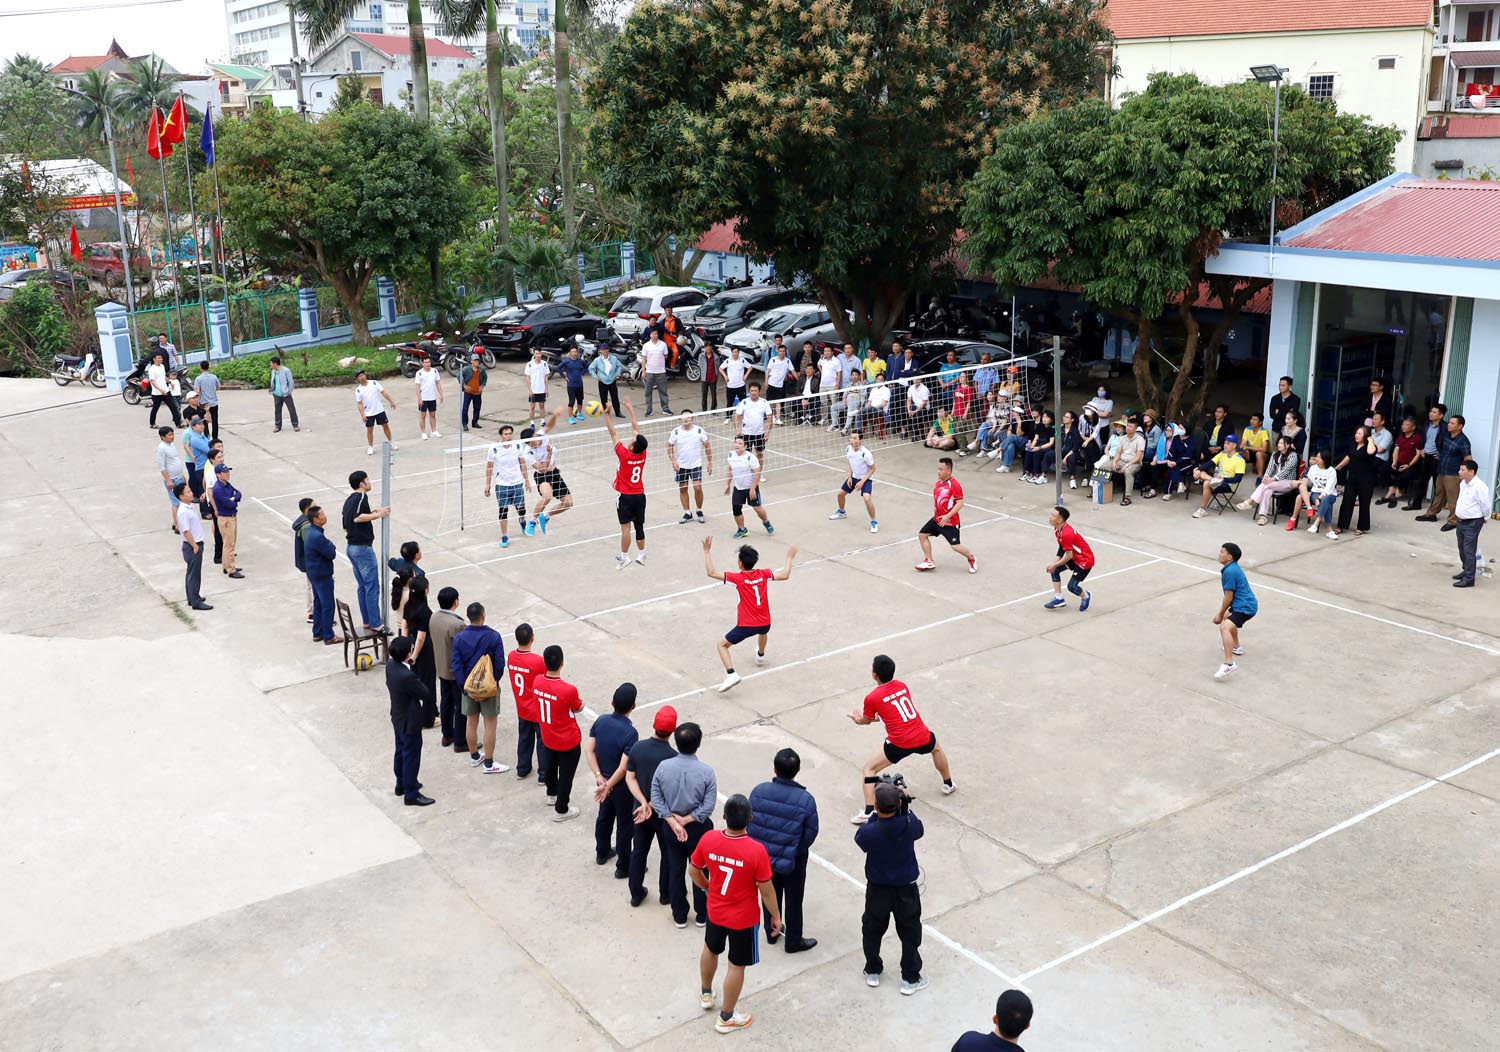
(190, 337)
(252, 316)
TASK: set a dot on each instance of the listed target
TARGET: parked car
(790, 321)
(189, 277)
(540, 323)
(105, 263)
(733, 309)
(634, 308)
(933, 353)
(12, 281)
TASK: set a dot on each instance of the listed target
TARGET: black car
(542, 323)
(1037, 370)
(733, 309)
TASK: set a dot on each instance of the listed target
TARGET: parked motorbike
(67, 368)
(428, 346)
(633, 359)
(137, 389)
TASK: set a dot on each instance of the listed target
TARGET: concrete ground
(203, 849)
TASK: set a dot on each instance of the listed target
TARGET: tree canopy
(1129, 204)
(366, 190)
(839, 135)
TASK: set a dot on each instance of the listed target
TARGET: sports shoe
(706, 1001)
(1026, 476)
(700, 923)
(700, 517)
(769, 527)
(394, 447)
(778, 421)
(680, 923)
(859, 818)
(424, 436)
(542, 520)
(1313, 528)
(1332, 535)
(992, 454)
(973, 565)
(496, 768)
(949, 788)
(1088, 597)
(1225, 670)
(1057, 602)
(729, 680)
(1072, 483)
(687, 516)
(640, 557)
(370, 452)
(505, 542)
(1245, 505)
(874, 526)
(529, 529)
(551, 800)
(964, 451)
(760, 659)
(922, 983)
(1002, 469)
(564, 816)
(1238, 651)
(925, 564)
(741, 532)
(621, 561)
(1039, 480)
(1200, 513)
(738, 1021)
(840, 514)
(475, 759)
(872, 979)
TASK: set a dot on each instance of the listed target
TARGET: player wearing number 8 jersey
(630, 484)
(754, 616)
(890, 703)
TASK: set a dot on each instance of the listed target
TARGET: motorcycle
(429, 346)
(633, 360)
(67, 368)
(137, 389)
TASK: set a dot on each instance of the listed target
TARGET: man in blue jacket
(891, 871)
(473, 642)
(318, 554)
(784, 817)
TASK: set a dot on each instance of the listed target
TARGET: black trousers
(559, 769)
(529, 737)
(710, 395)
(450, 712)
(609, 394)
(904, 904)
(1363, 490)
(651, 830)
(678, 853)
(157, 401)
(614, 821)
(213, 420)
(789, 888)
(407, 760)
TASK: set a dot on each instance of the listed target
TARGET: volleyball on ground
(592, 407)
(365, 662)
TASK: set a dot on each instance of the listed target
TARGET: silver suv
(635, 307)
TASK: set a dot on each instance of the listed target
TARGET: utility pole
(291, 14)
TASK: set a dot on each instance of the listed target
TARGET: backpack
(481, 685)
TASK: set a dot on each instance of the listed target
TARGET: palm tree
(101, 95)
(541, 263)
(323, 22)
(564, 85)
(27, 69)
(148, 87)
(460, 18)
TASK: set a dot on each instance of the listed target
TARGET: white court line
(320, 489)
(1258, 866)
(886, 638)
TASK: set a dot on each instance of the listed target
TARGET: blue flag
(207, 141)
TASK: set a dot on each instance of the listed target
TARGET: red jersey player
(754, 616)
(556, 701)
(522, 667)
(630, 484)
(1071, 548)
(947, 502)
(905, 733)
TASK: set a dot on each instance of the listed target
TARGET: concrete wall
(1395, 96)
(1474, 153)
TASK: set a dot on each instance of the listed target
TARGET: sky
(187, 33)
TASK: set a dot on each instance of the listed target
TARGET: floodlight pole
(1057, 416)
(1275, 157)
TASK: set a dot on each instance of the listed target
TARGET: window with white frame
(1320, 86)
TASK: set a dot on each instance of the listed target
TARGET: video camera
(897, 782)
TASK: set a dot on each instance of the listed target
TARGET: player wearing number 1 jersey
(630, 484)
(905, 733)
(522, 667)
(754, 617)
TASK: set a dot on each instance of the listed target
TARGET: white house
(1461, 135)
(1372, 57)
(383, 63)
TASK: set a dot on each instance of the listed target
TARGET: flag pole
(187, 164)
(171, 255)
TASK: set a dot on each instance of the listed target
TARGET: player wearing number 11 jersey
(556, 701)
(905, 733)
(754, 617)
(630, 484)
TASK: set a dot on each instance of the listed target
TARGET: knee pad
(872, 780)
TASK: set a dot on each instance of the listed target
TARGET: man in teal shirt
(195, 443)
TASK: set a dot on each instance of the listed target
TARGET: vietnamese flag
(174, 129)
(74, 248)
(156, 145)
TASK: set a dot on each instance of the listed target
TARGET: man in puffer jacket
(784, 817)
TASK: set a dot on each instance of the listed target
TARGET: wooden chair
(362, 638)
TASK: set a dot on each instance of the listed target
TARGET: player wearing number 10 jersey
(890, 703)
(630, 484)
(754, 616)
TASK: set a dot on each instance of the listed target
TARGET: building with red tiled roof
(382, 63)
(114, 62)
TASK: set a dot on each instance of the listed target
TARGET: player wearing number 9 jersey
(754, 616)
(522, 667)
(890, 703)
(630, 484)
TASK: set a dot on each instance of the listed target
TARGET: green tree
(100, 95)
(323, 23)
(26, 68)
(366, 190)
(563, 86)
(148, 86)
(1129, 204)
(839, 135)
(541, 264)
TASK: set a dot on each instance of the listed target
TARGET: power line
(85, 7)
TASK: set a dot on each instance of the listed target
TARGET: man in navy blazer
(784, 817)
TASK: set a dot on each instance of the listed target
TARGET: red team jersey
(631, 478)
(522, 668)
(1068, 540)
(945, 495)
(892, 703)
(755, 599)
(556, 701)
(737, 866)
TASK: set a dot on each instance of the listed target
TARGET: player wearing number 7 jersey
(754, 617)
(890, 703)
(630, 484)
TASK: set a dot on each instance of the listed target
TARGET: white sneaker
(973, 565)
(1072, 483)
(1225, 670)
(840, 514)
(1200, 513)
(729, 681)
(738, 1021)
(437, 434)
(874, 526)
(760, 659)
(926, 564)
(1167, 495)
(949, 788)
(872, 979)
(1238, 651)
(1313, 528)
(424, 436)
(922, 983)
(394, 447)
(641, 558)
(475, 759)
(495, 768)
(859, 818)
(571, 812)
(370, 452)
(778, 421)
(992, 454)
(706, 1000)
(621, 561)
(1002, 469)
(1332, 535)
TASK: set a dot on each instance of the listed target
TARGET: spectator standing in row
(1012, 1018)
(606, 368)
(736, 372)
(611, 738)
(318, 555)
(1284, 401)
(409, 695)
(169, 464)
(472, 645)
(195, 449)
(654, 372)
(525, 668)
(441, 628)
(1385, 443)
(359, 538)
(683, 793)
(206, 505)
(1434, 434)
(781, 372)
(1471, 509)
(299, 549)
(190, 525)
(640, 768)
(708, 377)
(556, 701)
(206, 384)
(227, 512)
(1359, 483)
(829, 373)
(1453, 451)
(784, 817)
(282, 386)
(574, 370)
(537, 373)
(472, 381)
(889, 842)
(416, 622)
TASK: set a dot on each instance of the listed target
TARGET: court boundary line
(1256, 867)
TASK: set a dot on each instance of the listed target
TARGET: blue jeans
(470, 400)
(528, 737)
(1008, 447)
(1325, 506)
(367, 582)
(322, 589)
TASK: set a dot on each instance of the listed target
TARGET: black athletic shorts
(947, 533)
(744, 943)
(755, 443)
(539, 399)
(427, 406)
(740, 633)
(896, 754)
(378, 420)
(1238, 619)
(631, 511)
(554, 479)
(686, 475)
(740, 497)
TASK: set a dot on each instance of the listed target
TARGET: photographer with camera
(889, 841)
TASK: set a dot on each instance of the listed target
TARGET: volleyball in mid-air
(365, 662)
(592, 407)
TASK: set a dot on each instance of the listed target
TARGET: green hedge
(322, 363)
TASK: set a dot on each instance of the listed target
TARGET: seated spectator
(991, 423)
(1018, 433)
(1041, 451)
(1102, 404)
(918, 411)
(1094, 433)
(1125, 455)
(1175, 459)
(1152, 431)
(1407, 478)
(807, 388)
(1255, 441)
(1070, 450)
(1209, 439)
(1220, 473)
(1280, 477)
(1316, 492)
(846, 405)
(940, 436)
